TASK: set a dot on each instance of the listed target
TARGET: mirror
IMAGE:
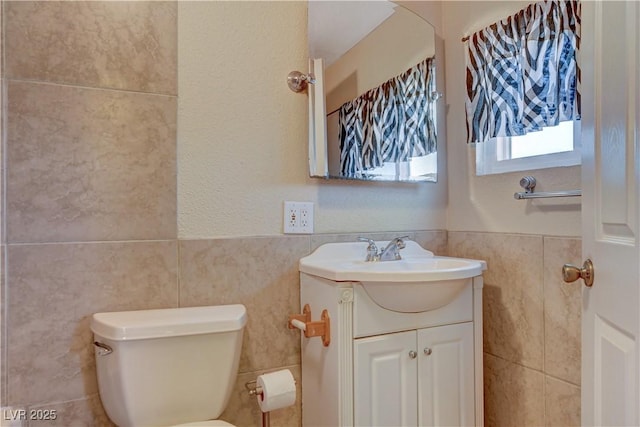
(372, 109)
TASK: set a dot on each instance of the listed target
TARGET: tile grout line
(89, 242)
(540, 371)
(78, 86)
(4, 292)
(178, 273)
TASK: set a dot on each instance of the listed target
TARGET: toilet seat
(208, 423)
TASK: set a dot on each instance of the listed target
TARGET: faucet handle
(372, 249)
(365, 239)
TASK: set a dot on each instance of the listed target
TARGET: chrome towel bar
(529, 184)
(568, 193)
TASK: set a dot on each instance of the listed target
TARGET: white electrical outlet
(304, 216)
(298, 217)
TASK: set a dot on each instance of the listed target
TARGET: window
(553, 146)
(522, 75)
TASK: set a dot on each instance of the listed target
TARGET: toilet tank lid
(169, 322)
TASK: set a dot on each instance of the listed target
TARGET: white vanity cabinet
(386, 368)
(422, 377)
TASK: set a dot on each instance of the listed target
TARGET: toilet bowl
(168, 367)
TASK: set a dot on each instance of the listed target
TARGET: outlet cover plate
(298, 217)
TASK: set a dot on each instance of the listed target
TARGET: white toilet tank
(169, 366)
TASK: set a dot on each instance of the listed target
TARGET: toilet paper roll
(278, 390)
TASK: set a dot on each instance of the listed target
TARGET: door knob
(427, 351)
(571, 273)
(413, 354)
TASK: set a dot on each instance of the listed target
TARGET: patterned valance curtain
(390, 123)
(522, 72)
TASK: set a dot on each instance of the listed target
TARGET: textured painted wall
(486, 203)
(242, 134)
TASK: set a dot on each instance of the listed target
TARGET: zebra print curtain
(522, 72)
(390, 123)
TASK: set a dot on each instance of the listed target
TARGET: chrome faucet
(390, 253)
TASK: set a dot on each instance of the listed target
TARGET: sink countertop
(345, 262)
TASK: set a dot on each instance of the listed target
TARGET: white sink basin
(418, 282)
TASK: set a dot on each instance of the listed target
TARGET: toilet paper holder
(320, 328)
(254, 389)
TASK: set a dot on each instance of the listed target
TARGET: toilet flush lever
(103, 349)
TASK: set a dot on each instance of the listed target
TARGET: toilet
(168, 367)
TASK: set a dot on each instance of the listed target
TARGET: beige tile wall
(531, 327)
(54, 288)
(3, 297)
(130, 45)
(90, 154)
(89, 164)
(262, 274)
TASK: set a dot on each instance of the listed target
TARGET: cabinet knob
(427, 351)
(413, 354)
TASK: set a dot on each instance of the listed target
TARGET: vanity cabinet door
(386, 380)
(446, 384)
